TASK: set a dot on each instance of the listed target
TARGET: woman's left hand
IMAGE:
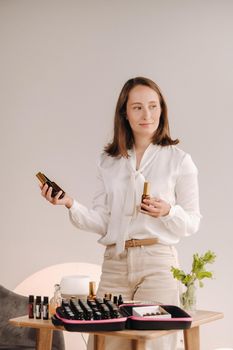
(155, 207)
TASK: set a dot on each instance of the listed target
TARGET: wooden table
(45, 330)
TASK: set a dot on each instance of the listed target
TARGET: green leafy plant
(198, 273)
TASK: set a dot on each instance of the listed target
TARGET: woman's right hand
(46, 192)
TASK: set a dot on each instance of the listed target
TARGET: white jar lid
(77, 285)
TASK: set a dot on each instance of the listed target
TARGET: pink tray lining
(111, 320)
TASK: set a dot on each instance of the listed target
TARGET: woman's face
(143, 111)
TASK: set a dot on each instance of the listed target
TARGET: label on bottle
(31, 310)
(38, 311)
(45, 312)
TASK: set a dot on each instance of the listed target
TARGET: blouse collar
(149, 154)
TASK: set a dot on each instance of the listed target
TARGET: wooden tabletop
(199, 317)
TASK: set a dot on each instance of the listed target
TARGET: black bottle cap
(38, 299)
(31, 299)
(115, 299)
(46, 300)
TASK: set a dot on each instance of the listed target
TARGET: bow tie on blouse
(134, 192)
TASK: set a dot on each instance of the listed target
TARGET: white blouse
(115, 212)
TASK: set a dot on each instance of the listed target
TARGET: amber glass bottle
(146, 191)
(92, 290)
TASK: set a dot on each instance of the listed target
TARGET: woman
(140, 237)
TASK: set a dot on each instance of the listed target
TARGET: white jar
(77, 285)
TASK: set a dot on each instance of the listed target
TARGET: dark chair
(14, 338)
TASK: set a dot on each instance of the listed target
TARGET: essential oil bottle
(146, 191)
(38, 307)
(120, 300)
(45, 308)
(92, 290)
(31, 306)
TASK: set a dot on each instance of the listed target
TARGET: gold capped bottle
(146, 192)
(92, 290)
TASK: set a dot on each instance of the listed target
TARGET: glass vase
(188, 298)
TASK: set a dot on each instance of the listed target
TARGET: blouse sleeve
(184, 217)
(94, 219)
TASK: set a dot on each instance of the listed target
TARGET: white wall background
(62, 65)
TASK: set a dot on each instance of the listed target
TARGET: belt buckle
(133, 242)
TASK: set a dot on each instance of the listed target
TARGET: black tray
(180, 319)
(112, 324)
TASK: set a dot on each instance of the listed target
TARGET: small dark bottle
(31, 306)
(120, 300)
(45, 308)
(146, 192)
(38, 307)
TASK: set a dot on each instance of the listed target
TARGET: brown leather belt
(139, 242)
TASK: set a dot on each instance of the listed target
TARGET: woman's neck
(141, 144)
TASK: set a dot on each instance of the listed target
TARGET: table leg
(99, 342)
(44, 339)
(192, 339)
(138, 344)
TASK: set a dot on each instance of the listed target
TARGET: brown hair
(123, 139)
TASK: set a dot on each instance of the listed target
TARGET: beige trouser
(140, 273)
